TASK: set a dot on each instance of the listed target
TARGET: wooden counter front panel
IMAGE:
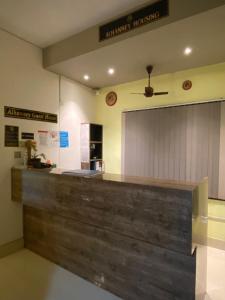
(16, 183)
(131, 269)
(161, 216)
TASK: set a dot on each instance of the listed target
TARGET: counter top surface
(146, 181)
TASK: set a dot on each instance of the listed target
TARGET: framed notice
(11, 136)
(48, 138)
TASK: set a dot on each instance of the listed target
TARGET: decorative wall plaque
(20, 113)
(151, 13)
(111, 98)
(11, 136)
(187, 85)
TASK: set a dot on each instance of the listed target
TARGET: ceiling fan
(149, 91)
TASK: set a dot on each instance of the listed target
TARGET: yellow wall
(208, 83)
(216, 228)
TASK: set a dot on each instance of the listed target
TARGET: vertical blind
(177, 143)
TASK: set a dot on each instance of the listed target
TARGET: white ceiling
(162, 47)
(44, 22)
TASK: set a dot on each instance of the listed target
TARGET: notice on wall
(43, 138)
(11, 136)
(53, 139)
(27, 136)
(48, 138)
(64, 139)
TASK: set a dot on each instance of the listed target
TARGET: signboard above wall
(20, 113)
(143, 16)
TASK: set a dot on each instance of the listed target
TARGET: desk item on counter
(34, 159)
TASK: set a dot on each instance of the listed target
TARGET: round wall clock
(187, 85)
(111, 98)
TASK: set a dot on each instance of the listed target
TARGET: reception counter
(139, 238)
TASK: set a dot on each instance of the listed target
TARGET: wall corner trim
(11, 247)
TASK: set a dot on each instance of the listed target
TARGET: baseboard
(219, 244)
(11, 247)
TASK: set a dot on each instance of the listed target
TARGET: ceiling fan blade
(161, 93)
(137, 93)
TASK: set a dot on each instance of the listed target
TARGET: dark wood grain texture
(132, 237)
(16, 185)
(162, 216)
(129, 268)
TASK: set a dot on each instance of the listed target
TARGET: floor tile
(27, 276)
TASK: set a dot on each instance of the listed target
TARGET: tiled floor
(27, 276)
(216, 274)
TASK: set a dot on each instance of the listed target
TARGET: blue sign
(64, 139)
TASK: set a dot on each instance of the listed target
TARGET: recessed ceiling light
(111, 71)
(187, 51)
(86, 77)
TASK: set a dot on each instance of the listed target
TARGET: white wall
(24, 84)
(77, 105)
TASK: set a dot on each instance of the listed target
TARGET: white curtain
(177, 143)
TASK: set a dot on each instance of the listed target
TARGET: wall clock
(111, 98)
(187, 85)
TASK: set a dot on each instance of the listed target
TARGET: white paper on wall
(42, 138)
(53, 137)
(48, 138)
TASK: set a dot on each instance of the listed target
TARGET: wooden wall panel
(129, 235)
(162, 216)
(129, 268)
(16, 185)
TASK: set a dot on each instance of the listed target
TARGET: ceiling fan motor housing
(149, 91)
